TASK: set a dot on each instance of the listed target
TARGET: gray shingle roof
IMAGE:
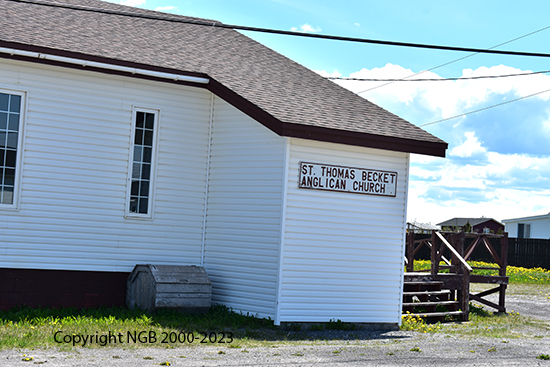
(283, 95)
(461, 222)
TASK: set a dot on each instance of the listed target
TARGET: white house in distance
(529, 227)
(129, 137)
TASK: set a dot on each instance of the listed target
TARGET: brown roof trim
(236, 100)
(245, 106)
(92, 58)
(365, 140)
(325, 134)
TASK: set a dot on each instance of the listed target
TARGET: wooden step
(431, 306)
(435, 314)
(425, 282)
(422, 304)
(427, 296)
(428, 293)
(422, 286)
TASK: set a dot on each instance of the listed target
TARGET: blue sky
(498, 161)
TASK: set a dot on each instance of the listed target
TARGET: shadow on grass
(218, 318)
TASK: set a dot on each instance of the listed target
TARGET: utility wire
(309, 35)
(459, 59)
(485, 108)
(275, 31)
(438, 80)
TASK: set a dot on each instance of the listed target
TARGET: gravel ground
(354, 348)
(527, 299)
(389, 349)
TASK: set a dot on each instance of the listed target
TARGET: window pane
(133, 204)
(2, 139)
(137, 154)
(7, 197)
(146, 171)
(150, 121)
(9, 176)
(2, 152)
(136, 170)
(139, 137)
(15, 103)
(4, 98)
(140, 119)
(3, 120)
(147, 152)
(12, 140)
(11, 157)
(142, 155)
(148, 139)
(144, 190)
(135, 188)
(143, 202)
(13, 122)
(1, 176)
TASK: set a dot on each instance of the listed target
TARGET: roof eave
(361, 139)
(326, 134)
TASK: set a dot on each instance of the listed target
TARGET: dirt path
(528, 299)
(390, 349)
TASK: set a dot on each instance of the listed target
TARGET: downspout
(282, 229)
(403, 254)
(207, 184)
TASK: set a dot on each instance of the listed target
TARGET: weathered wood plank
(185, 288)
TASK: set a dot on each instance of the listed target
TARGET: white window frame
(153, 172)
(20, 149)
(526, 230)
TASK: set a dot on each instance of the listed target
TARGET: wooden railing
(459, 274)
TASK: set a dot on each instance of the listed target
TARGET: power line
(484, 108)
(276, 31)
(438, 80)
(459, 59)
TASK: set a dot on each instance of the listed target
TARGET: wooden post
(435, 245)
(410, 252)
(465, 298)
(502, 271)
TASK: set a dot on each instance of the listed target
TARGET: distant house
(418, 227)
(479, 225)
(529, 227)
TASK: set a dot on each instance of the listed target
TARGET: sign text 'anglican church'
(347, 179)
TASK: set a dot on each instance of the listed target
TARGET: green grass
(518, 275)
(482, 323)
(37, 327)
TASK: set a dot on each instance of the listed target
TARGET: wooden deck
(444, 290)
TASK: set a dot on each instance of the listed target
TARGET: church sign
(347, 179)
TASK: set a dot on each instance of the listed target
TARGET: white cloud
(132, 2)
(502, 186)
(470, 147)
(446, 98)
(326, 74)
(498, 161)
(306, 28)
(166, 8)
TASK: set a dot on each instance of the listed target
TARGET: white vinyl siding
(243, 216)
(343, 252)
(75, 171)
(539, 227)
